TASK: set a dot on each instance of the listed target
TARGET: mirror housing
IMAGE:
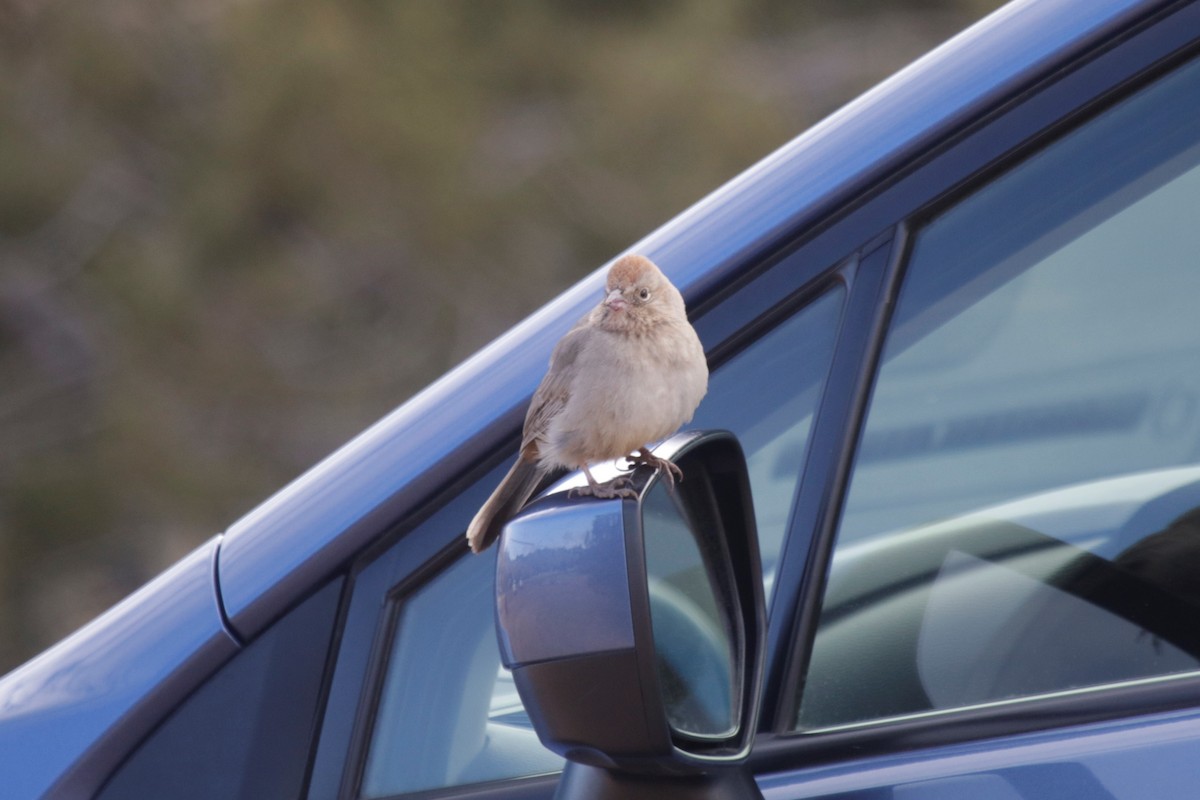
(635, 627)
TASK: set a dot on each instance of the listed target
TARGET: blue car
(938, 534)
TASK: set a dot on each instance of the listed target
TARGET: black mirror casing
(582, 583)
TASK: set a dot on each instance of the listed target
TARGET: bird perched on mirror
(631, 372)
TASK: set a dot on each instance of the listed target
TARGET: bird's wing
(555, 389)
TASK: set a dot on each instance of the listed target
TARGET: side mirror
(635, 627)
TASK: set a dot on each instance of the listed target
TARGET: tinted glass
(1021, 518)
(449, 713)
(768, 396)
(246, 733)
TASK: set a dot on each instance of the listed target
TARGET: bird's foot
(620, 486)
(667, 468)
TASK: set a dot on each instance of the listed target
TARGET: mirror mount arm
(598, 783)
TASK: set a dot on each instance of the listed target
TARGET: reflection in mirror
(694, 647)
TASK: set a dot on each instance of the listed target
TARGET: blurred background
(233, 233)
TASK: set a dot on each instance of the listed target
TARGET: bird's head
(637, 294)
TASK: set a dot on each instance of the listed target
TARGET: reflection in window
(449, 714)
(1042, 370)
(767, 395)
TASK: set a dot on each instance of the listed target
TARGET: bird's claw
(667, 468)
(620, 486)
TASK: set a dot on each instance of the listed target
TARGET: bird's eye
(643, 293)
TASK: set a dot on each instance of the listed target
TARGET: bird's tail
(512, 493)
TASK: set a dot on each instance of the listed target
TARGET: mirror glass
(694, 646)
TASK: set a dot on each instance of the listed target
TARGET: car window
(447, 712)
(246, 733)
(1022, 513)
(767, 395)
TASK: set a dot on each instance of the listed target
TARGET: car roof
(286, 546)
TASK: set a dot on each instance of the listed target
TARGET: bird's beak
(615, 300)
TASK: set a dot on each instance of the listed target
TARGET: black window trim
(374, 682)
(871, 278)
(355, 671)
(1091, 83)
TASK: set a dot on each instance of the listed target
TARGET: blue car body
(69, 717)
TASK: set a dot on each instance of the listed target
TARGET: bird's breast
(626, 393)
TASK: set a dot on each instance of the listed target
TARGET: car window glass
(245, 734)
(448, 714)
(768, 396)
(1022, 516)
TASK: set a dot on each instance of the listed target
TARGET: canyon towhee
(629, 373)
